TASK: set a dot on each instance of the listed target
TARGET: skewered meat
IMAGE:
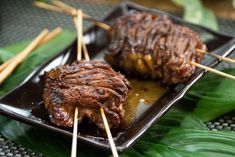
(87, 85)
(152, 46)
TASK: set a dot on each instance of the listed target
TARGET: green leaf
(178, 133)
(36, 139)
(162, 150)
(195, 12)
(184, 140)
(193, 122)
(215, 96)
(49, 143)
(178, 2)
(4, 55)
(208, 143)
(46, 1)
(53, 145)
(35, 59)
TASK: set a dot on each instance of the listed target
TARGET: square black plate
(24, 103)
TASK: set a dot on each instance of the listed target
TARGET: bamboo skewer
(108, 132)
(75, 132)
(17, 60)
(226, 59)
(72, 11)
(48, 37)
(106, 125)
(51, 7)
(213, 70)
(86, 54)
(78, 22)
(60, 4)
(5, 64)
(78, 25)
(83, 45)
(66, 9)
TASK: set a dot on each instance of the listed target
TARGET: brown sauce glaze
(142, 95)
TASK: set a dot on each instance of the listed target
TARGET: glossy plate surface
(24, 103)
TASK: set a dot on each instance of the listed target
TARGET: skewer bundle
(9, 66)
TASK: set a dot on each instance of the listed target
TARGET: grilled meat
(87, 85)
(152, 46)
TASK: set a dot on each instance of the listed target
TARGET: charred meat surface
(153, 46)
(87, 85)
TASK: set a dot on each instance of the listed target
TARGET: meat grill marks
(152, 46)
(87, 85)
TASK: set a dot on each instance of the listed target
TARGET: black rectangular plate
(24, 103)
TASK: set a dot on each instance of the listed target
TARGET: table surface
(20, 21)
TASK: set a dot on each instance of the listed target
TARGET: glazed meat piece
(87, 85)
(151, 46)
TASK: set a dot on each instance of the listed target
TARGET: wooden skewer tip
(226, 59)
(110, 138)
(75, 132)
(213, 70)
(22, 55)
(64, 6)
(86, 54)
(78, 24)
(5, 64)
(50, 7)
(51, 35)
(60, 7)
